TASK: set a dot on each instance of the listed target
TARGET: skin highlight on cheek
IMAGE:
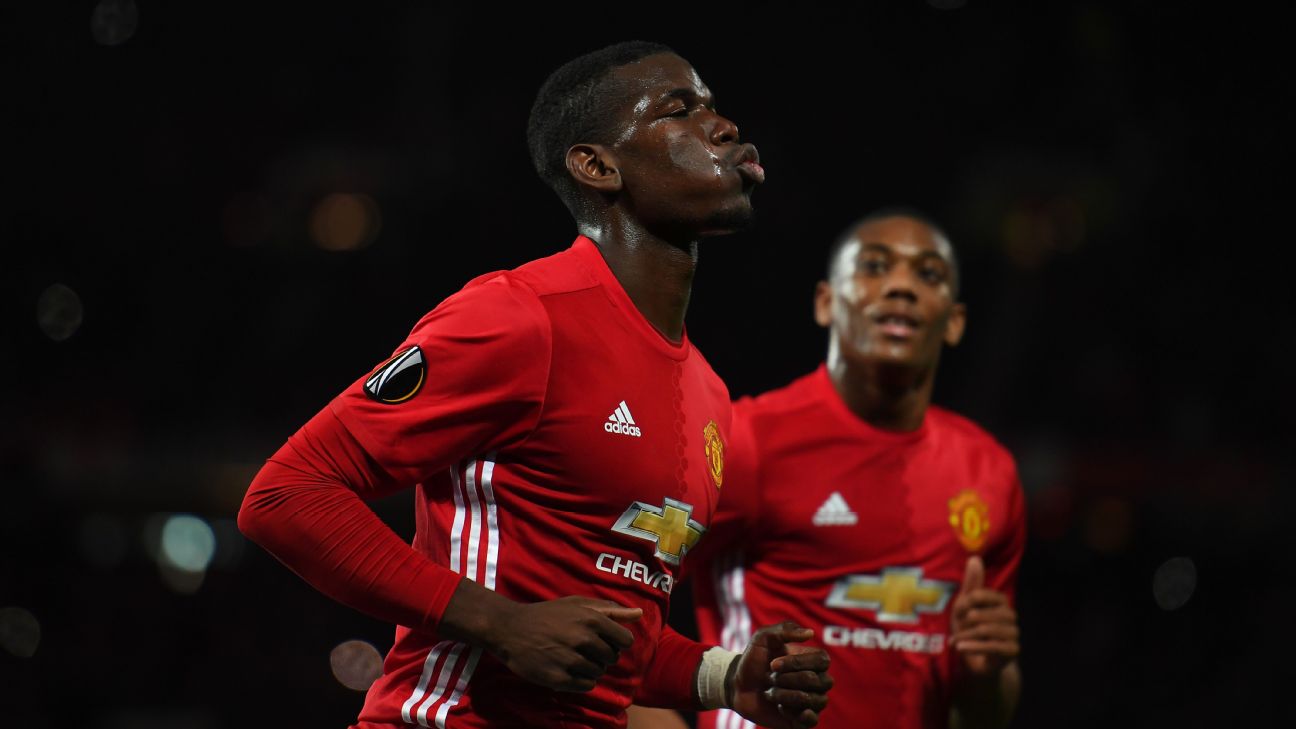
(686, 155)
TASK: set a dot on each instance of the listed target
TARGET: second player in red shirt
(892, 527)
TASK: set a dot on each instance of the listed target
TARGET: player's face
(891, 297)
(683, 169)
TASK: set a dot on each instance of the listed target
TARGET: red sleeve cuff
(670, 680)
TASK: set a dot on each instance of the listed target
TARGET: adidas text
(623, 429)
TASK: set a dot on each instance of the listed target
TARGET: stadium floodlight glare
(356, 664)
(188, 543)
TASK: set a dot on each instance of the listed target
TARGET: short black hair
(896, 211)
(573, 106)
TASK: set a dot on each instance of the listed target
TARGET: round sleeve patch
(398, 379)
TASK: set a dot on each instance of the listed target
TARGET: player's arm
(984, 632)
(774, 682)
(465, 395)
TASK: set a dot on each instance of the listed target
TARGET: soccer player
(566, 439)
(852, 505)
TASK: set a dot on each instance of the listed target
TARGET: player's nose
(724, 131)
(900, 283)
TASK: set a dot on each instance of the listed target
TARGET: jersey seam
(544, 395)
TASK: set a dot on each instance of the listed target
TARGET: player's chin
(733, 218)
(889, 353)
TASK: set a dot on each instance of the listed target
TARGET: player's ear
(594, 166)
(957, 322)
(823, 304)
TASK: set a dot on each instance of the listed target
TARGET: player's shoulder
(495, 290)
(561, 273)
(713, 380)
(783, 406)
(970, 435)
(524, 285)
(494, 306)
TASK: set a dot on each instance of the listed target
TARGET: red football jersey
(562, 446)
(861, 534)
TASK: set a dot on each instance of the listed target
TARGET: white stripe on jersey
(492, 521)
(443, 679)
(474, 533)
(428, 664)
(737, 630)
(469, 500)
(462, 684)
(456, 545)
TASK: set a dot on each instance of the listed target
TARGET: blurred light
(356, 664)
(114, 21)
(187, 543)
(58, 312)
(1109, 525)
(1174, 582)
(344, 222)
(20, 632)
(103, 540)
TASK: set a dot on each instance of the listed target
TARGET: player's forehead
(657, 78)
(899, 235)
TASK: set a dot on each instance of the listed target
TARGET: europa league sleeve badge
(398, 379)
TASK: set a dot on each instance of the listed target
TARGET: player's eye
(932, 274)
(681, 112)
(874, 266)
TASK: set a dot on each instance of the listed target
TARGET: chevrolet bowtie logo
(668, 525)
(897, 596)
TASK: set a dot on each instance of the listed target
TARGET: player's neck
(885, 397)
(655, 273)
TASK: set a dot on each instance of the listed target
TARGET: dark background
(1115, 178)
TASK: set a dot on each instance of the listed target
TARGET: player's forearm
(664, 684)
(305, 508)
(334, 541)
(987, 703)
(477, 615)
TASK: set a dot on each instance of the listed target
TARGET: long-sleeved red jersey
(561, 446)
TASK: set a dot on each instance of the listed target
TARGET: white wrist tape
(711, 677)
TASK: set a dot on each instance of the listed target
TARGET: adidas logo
(834, 512)
(621, 421)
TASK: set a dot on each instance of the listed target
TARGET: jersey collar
(587, 252)
(854, 423)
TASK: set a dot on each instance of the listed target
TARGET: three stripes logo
(621, 421)
(835, 512)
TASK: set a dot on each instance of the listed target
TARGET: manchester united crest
(970, 517)
(714, 451)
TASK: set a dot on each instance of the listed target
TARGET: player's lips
(897, 325)
(747, 162)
